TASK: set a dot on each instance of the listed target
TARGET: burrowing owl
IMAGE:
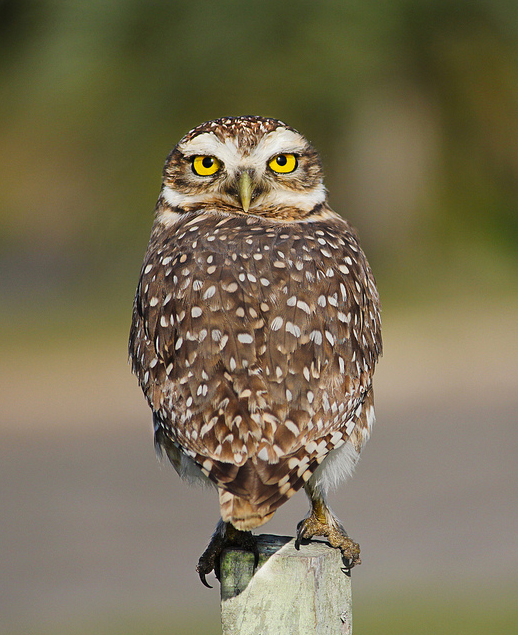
(256, 327)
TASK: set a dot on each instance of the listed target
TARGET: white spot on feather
(293, 329)
(277, 323)
(263, 454)
(316, 336)
(209, 292)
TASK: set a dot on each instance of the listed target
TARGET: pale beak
(245, 189)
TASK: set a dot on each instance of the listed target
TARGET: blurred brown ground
(91, 525)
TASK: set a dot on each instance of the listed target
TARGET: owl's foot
(226, 535)
(329, 527)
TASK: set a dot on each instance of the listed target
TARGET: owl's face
(244, 165)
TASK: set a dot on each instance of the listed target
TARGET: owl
(256, 329)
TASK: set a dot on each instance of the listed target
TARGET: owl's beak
(245, 188)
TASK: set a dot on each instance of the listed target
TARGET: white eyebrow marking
(235, 158)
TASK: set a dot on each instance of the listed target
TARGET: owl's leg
(225, 535)
(322, 522)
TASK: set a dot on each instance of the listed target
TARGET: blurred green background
(413, 105)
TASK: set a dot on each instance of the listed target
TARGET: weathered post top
(306, 591)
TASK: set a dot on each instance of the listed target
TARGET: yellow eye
(204, 165)
(283, 163)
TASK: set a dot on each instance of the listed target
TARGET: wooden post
(291, 592)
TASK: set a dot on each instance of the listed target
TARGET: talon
(300, 535)
(217, 568)
(203, 578)
(209, 559)
(256, 555)
(205, 565)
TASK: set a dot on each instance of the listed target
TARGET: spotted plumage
(256, 323)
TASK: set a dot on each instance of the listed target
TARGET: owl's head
(244, 165)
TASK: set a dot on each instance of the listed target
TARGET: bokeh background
(413, 105)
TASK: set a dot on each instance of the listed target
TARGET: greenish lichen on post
(292, 591)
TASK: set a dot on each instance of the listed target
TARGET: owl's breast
(256, 334)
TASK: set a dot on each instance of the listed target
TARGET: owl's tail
(243, 514)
